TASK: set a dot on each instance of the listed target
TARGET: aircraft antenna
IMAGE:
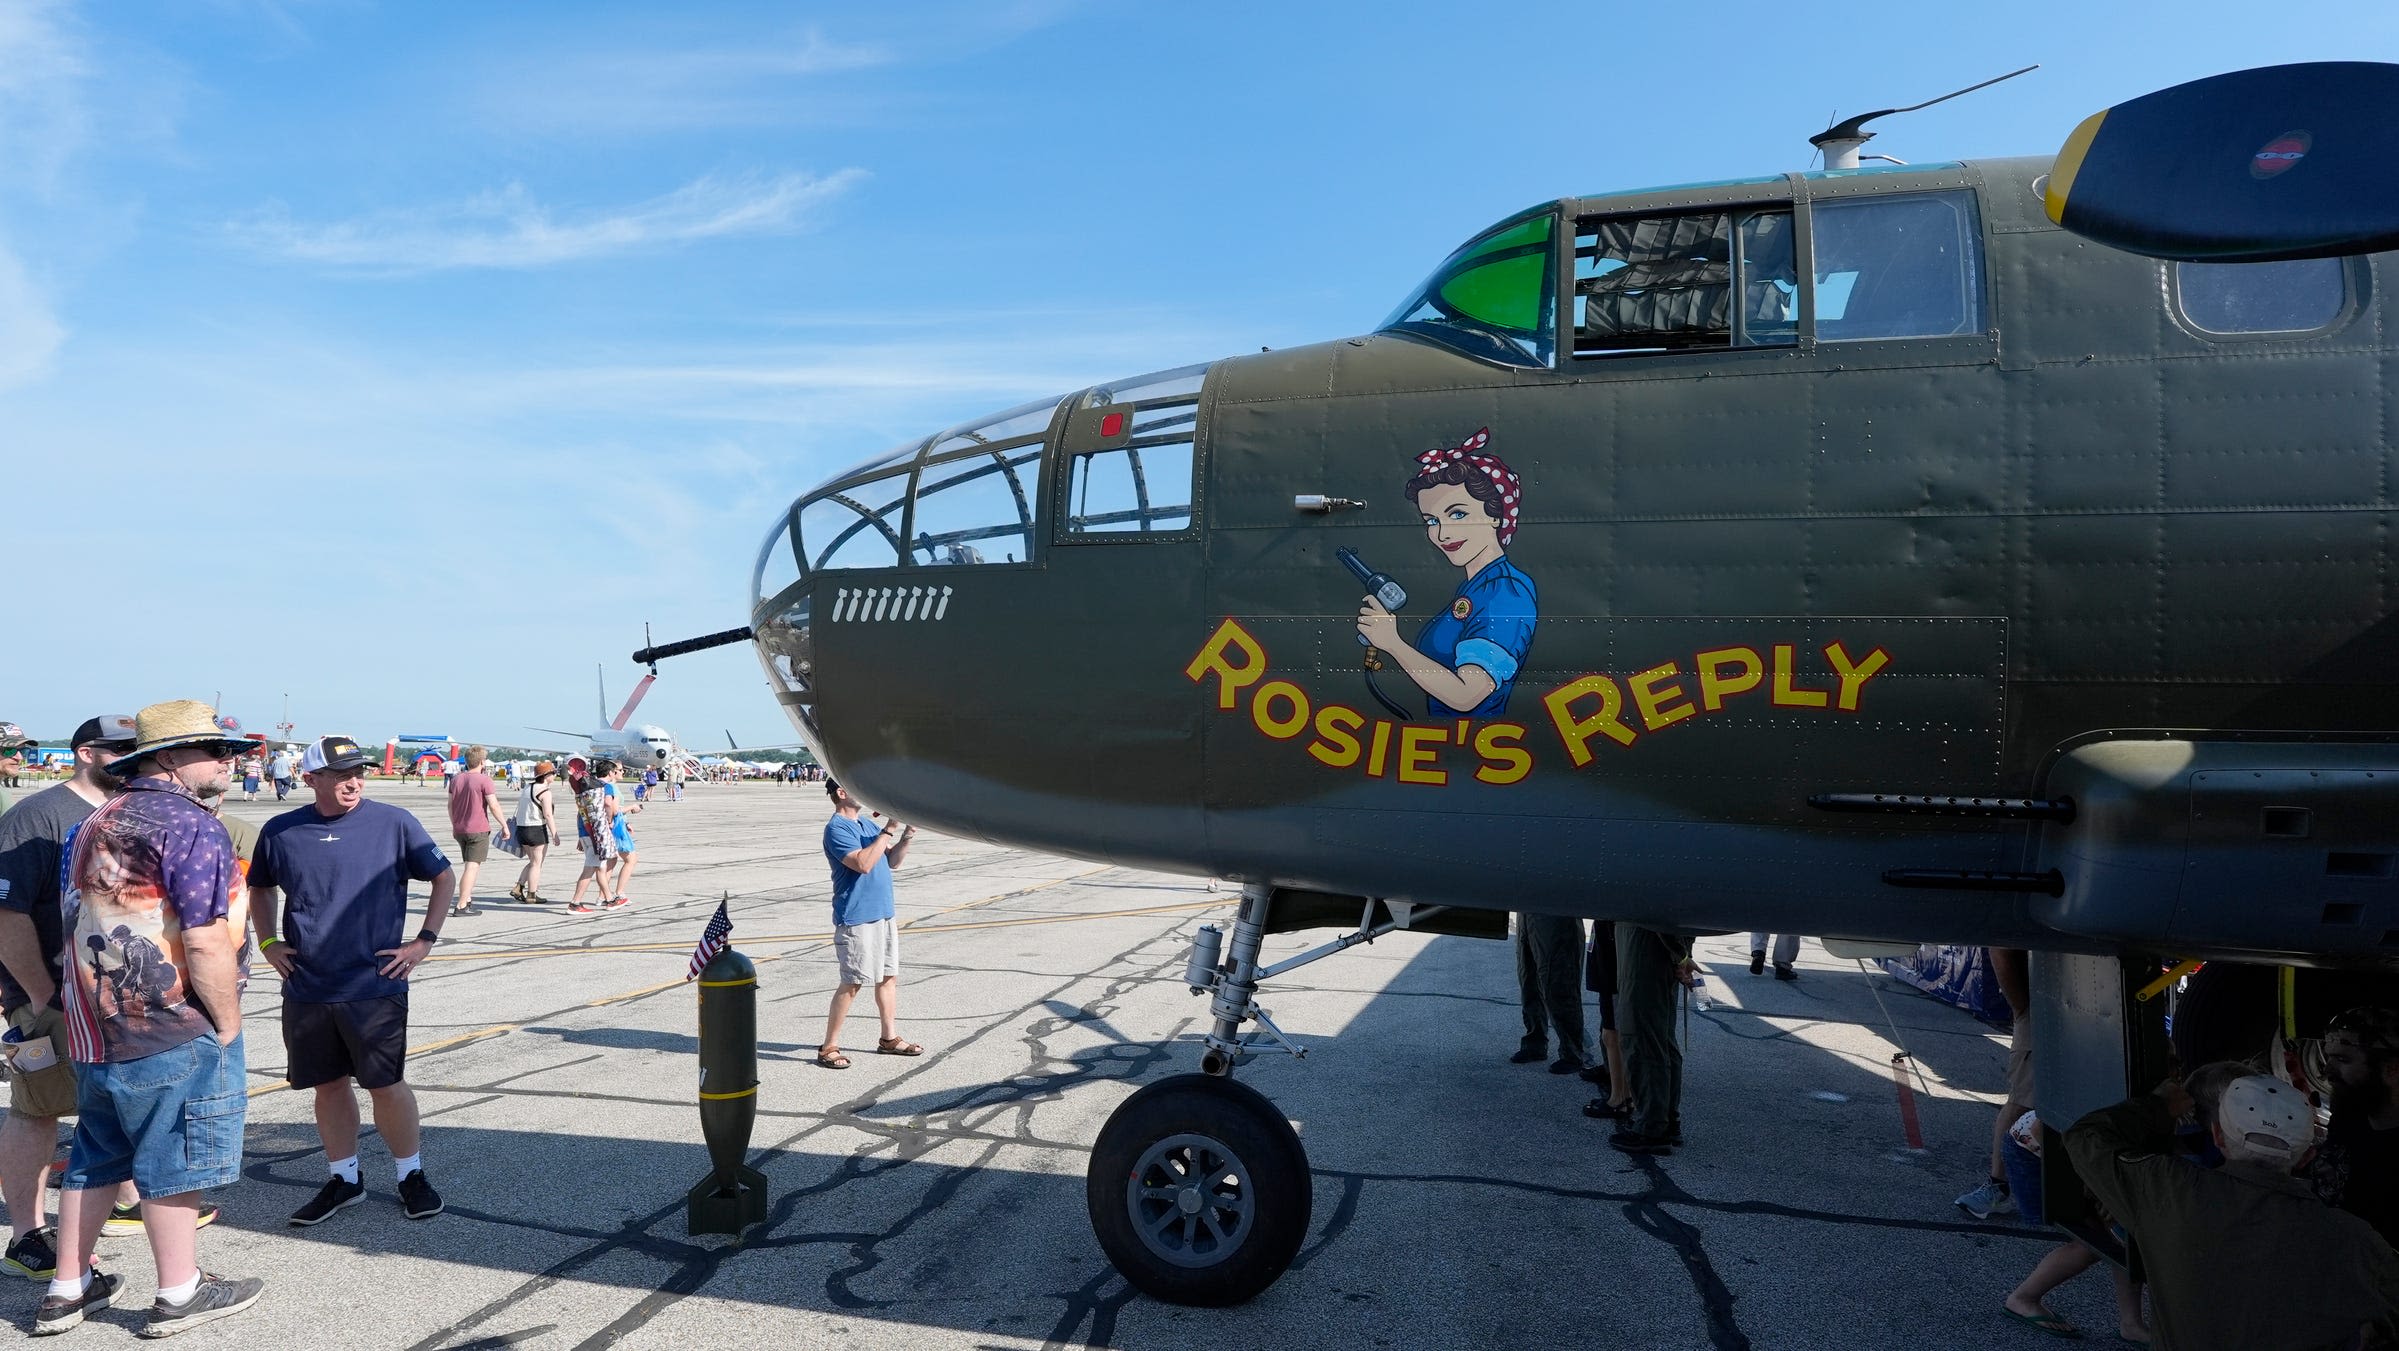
(1841, 141)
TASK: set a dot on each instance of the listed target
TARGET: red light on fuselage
(1112, 425)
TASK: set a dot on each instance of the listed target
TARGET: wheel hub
(1191, 1200)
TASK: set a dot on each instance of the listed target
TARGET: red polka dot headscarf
(1471, 453)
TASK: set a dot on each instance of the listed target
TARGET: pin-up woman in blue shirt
(1465, 659)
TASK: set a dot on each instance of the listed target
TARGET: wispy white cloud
(646, 87)
(509, 229)
(640, 84)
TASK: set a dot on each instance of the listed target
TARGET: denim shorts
(172, 1121)
(2023, 1181)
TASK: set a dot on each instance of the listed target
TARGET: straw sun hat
(177, 722)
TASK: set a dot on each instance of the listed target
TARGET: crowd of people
(132, 910)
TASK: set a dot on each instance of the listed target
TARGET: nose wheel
(1199, 1191)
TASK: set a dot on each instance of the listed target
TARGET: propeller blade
(2255, 166)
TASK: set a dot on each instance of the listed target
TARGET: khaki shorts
(867, 952)
(44, 1093)
(2019, 1062)
(473, 848)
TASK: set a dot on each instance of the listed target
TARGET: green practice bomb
(733, 1195)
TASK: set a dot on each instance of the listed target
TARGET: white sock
(345, 1169)
(66, 1289)
(177, 1294)
(402, 1167)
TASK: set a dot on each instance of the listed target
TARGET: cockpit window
(979, 508)
(1143, 489)
(1494, 298)
(778, 566)
(857, 527)
(1031, 419)
(1897, 267)
(1673, 283)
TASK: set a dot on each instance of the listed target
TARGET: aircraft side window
(978, 509)
(1137, 489)
(1680, 283)
(855, 527)
(778, 566)
(2289, 297)
(1897, 267)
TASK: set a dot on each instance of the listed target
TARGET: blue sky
(406, 358)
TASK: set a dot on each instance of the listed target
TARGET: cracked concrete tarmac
(1460, 1201)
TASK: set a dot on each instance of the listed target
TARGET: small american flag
(713, 940)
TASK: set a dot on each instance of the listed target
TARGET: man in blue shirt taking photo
(866, 936)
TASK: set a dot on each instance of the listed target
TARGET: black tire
(1236, 1220)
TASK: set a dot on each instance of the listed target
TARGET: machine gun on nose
(650, 656)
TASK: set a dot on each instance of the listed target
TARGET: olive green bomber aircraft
(1856, 553)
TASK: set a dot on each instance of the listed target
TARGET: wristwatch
(427, 937)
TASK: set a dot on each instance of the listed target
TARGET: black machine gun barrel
(1389, 593)
(652, 655)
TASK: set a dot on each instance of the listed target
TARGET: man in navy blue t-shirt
(866, 936)
(342, 867)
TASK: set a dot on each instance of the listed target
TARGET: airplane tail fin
(625, 714)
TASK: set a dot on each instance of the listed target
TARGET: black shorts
(366, 1040)
(529, 836)
(1599, 965)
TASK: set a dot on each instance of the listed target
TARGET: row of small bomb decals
(870, 604)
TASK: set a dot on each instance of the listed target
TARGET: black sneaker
(126, 1220)
(1783, 971)
(1757, 961)
(218, 1297)
(34, 1256)
(57, 1313)
(1526, 1055)
(336, 1194)
(1634, 1142)
(418, 1200)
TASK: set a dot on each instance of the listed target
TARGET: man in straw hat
(153, 914)
(41, 1088)
(2243, 1256)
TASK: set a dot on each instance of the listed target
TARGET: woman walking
(536, 826)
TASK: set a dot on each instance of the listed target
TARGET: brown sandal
(831, 1058)
(898, 1046)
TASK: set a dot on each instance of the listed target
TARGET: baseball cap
(544, 767)
(332, 752)
(113, 730)
(2265, 1120)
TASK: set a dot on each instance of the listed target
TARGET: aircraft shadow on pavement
(917, 1208)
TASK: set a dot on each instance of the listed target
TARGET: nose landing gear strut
(1198, 1188)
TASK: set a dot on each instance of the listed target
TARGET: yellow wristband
(265, 943)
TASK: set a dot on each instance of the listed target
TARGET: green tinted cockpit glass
(1494, 298)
